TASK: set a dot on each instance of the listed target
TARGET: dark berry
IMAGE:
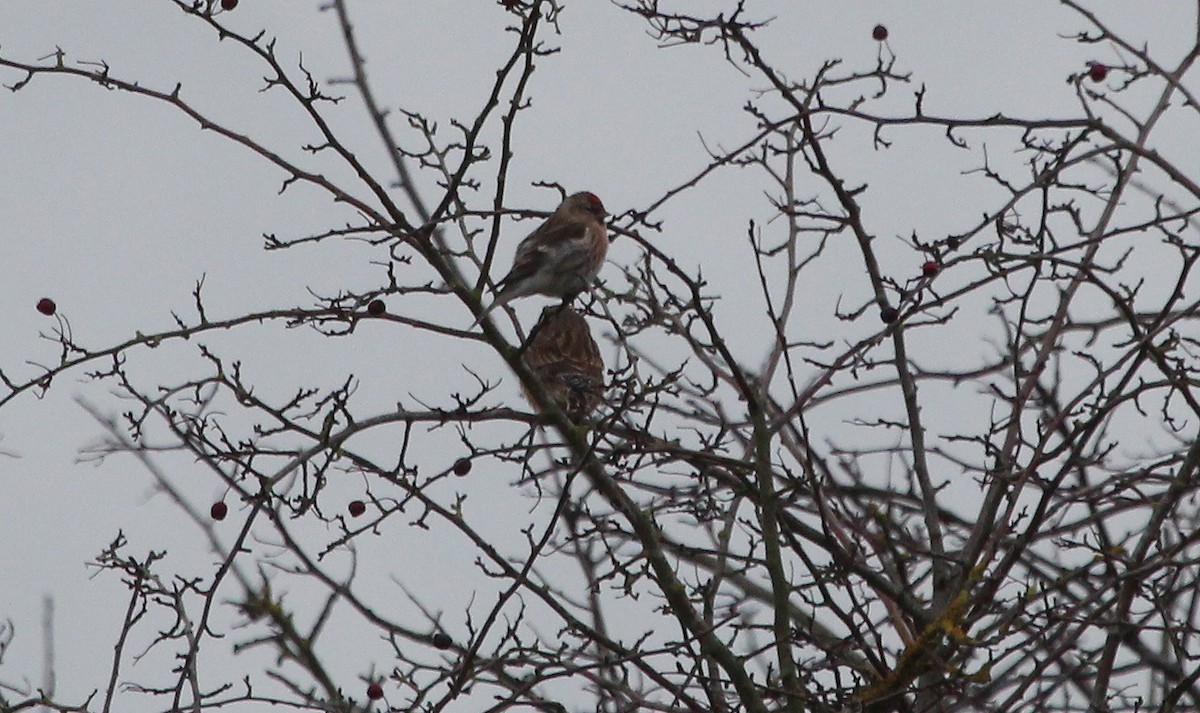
(462, 466)
(374, 691)
(356, 508)
(1098, 72)
(930, 268)
(228, 4)
(953, 243)
(879, 33)
(376, 308)
(889, 314)
(46, 306)
(219, 510)
(442, 640)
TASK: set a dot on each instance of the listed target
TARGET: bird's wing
(534, 250)
(565, 346)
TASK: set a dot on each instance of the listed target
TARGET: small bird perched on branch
(565, 358)
(561, 257)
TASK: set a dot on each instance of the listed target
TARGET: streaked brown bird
(565, 357)
(561, 257)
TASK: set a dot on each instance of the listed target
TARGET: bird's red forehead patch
(594, 200)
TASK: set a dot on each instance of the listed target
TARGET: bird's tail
(502, 299)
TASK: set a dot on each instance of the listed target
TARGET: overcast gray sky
(114, 206)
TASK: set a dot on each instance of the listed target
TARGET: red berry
(376, 308)
(219, 510)
(46, 306)
(374, 691)
(462, 466)
(356, 508)
(228, 4)
(889, 314)
(930, 268)
(442, 640)
(1098, 72)
(879, 33)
